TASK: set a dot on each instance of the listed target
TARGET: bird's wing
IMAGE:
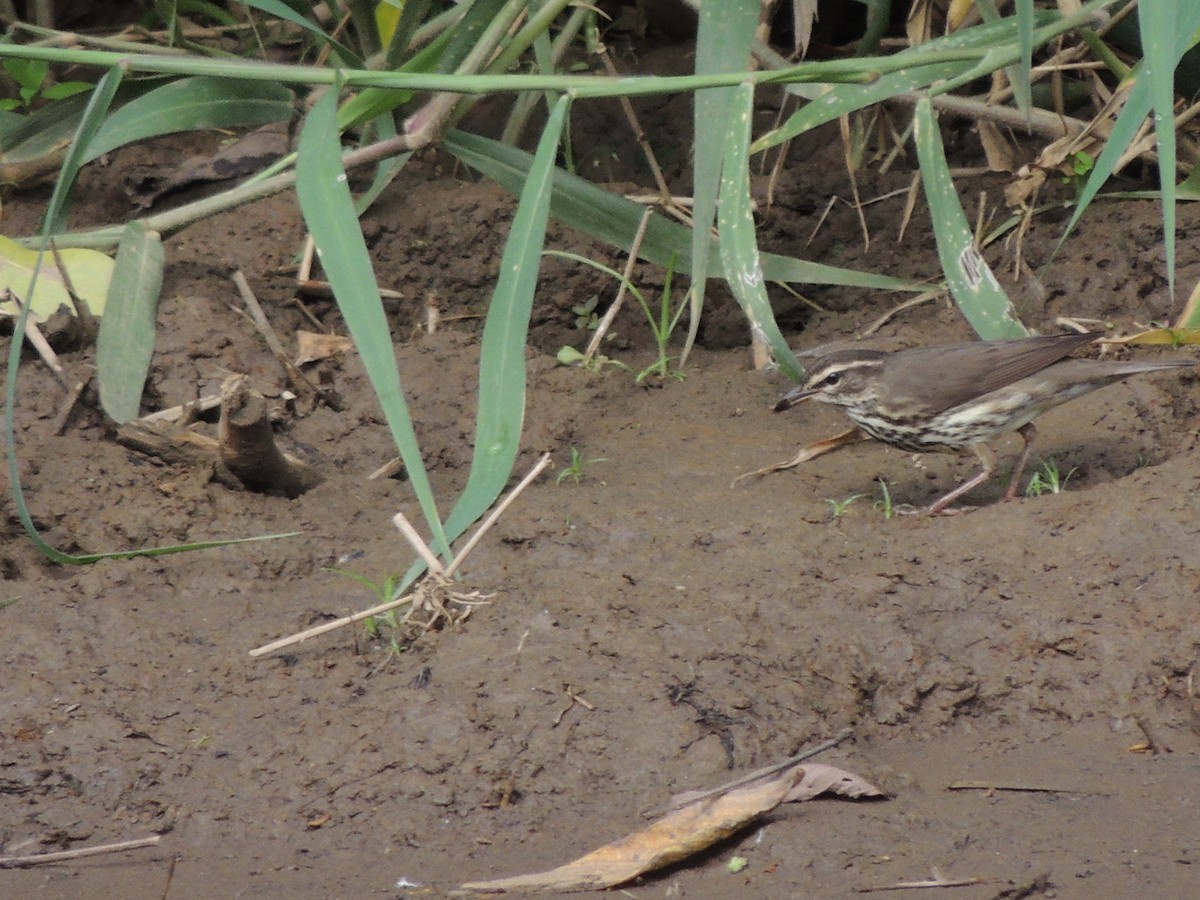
(971, 370)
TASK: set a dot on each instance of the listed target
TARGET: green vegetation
(394, 78)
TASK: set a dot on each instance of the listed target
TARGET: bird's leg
(812, 451)
(987, 459)
(1027, 433)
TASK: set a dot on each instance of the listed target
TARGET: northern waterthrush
(957, 396)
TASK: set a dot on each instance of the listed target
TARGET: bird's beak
(792, 397)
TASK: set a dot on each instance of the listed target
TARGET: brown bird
(956, 396)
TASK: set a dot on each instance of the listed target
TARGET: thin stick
(496, 513)
(330, 626)
(915, 301)
(638, 134)
(416, 541)
(176, 413)
(405, 527)
(38, 341)
(258, 316)
(913, 885)
(606, 322)
(1025, 788)
(17, 862)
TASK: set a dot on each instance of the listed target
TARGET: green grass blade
(93, 116)
(1019, 76)
(1137, 106)
(916, 73)
(329, 213)
(126, 340)
(89, 126)
(281, 10)
(190, 104)
(974, 287)
(1158, 26)
(738, 239)
(613, 219)
(725, 34)
(501, 411)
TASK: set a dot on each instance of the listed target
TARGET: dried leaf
(999, 152)
(822, 779)
(804, 14)
(244, 156)
(313, 347)
(1166, 337)
(679, 834)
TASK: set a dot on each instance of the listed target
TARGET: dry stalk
(611, 314)
(16, 862)
(437, 595)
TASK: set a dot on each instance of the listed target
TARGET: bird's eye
(833, 378)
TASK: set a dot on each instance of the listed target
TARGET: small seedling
(840, 506)
(31, 76)
(889, 508)
(384, 591)
(569, 356)
(575, 470)
(1081, 167)
(585, 313)
(661, 326)
(1048, 479)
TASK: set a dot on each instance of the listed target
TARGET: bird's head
(848, 378)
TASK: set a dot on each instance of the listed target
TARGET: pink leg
(988, 459)
(1028, 433)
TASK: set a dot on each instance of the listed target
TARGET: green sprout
(575, 470)
(1048, 479)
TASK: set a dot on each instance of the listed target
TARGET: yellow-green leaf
(89, 272)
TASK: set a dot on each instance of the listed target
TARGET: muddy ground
(1049, 643)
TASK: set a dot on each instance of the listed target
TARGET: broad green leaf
(1158, 22)
(738, 240)
(613, 219)
(97, 109)
(501, 411)
(724, 38)
(89, 271)
(917, 72)
(1138, 104)
(98, 104)
(974, 287)
(329, 213)
(126, 340)
(191, 104)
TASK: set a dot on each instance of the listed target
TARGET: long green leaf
(974, 287)
(501, 411)
(613, 219)
(93, 116)
(56, 212)
(1138, 105)
(916, 73)
(1158, 26)
(724, 37)
(739, 243)
(125, 344)
(329, 213)
(190, 104)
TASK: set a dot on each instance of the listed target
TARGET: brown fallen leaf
(245, 156)
(313, 347)
(679, 834)
(819, 778)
